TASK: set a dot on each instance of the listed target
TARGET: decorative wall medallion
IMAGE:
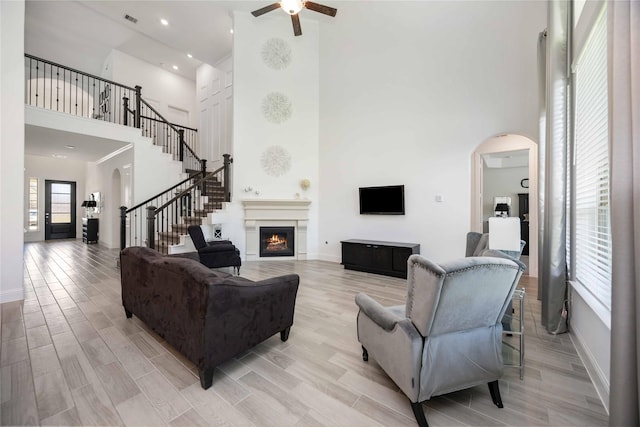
(276, 161)
(276, 53)
(276, 107)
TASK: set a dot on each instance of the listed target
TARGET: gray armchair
(478, 245)
(448, 336)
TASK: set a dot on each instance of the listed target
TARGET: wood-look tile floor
(69, 356)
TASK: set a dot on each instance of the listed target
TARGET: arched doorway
(502, 144)
(114, 209)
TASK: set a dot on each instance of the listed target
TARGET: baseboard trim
(595, 373)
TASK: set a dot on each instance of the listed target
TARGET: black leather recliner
(217, 253)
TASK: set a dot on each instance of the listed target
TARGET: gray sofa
(208, 316)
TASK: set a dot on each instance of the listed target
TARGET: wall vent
(131, 18)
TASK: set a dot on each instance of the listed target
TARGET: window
(592, 245)
(33, 204)
(60, 203)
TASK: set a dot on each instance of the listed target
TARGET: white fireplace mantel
(275, 213)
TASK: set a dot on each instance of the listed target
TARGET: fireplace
(277, 213)
(277, 241)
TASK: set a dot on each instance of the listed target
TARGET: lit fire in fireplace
(276, 243)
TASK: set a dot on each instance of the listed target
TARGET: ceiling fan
(293, 7)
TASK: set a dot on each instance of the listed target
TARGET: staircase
(209, 197)
(162, 220)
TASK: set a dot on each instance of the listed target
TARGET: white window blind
(592, 219)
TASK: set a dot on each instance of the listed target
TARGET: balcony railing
(59, 88)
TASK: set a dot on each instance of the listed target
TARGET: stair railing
(67, 90)
(177, 140)
(168, 214)
(59, 88)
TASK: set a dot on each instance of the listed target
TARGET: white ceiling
(507, 159)
(81, 34)
(49, 142)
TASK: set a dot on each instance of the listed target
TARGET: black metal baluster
(76, 90)
(30, 81)
(64, 90)
(50, 85)
(37, 83)
(93, 104)
(57, 88)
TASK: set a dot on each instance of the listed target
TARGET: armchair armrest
(502, 254)
(376, 312)
(218, 242)
(222, 247)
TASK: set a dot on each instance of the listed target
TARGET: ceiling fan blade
(265, 9)
(297, 30)
(321, 8)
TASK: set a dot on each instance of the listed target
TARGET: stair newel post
(203, 167)
(123, 227)
(227, 174)
(125, 105)
(151, 227)
(181, 138)
(138, 106)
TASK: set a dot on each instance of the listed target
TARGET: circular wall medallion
(276, 107)
(276, 161)
(276, 53)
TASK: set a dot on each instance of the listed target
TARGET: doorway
(497, 148)
(59, 210)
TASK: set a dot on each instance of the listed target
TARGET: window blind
(592, 219)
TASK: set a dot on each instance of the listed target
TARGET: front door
(60, 210)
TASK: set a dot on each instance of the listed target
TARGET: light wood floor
(70, 357)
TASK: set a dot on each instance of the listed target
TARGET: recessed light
(59, 156)
(70, 147)
(189, 55)
(231, 31)
(175, 67)
(164, 22)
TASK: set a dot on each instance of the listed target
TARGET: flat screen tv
(387, 200)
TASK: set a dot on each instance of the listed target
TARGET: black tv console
(371, 256)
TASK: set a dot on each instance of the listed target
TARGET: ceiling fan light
(292, 6)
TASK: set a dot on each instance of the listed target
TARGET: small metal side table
(513, 340)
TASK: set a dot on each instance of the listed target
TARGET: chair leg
(418, 412)
(206, 377)
(494, 389)
(284, 335)
(365, 354)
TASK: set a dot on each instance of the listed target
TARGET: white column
(12, 178)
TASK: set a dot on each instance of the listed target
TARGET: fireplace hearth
(277, 241)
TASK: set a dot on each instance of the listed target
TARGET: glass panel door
(60, 210)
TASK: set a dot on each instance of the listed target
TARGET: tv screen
(387, 200)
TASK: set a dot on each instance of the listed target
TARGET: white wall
(99, 178)
(11, 149)
(215, 112)
(499, 182)
(49, 168)
(161, 88)
(253, 134)
(406, 94)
